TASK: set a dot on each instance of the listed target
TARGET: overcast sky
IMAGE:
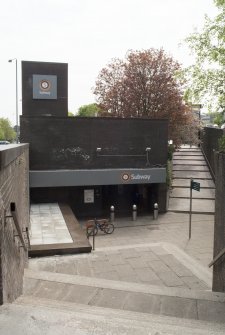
(87, 34)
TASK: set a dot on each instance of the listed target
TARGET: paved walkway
(154, 264)
(145, 251)
(170, 227)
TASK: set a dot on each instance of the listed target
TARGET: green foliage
(169, 173)
(171, 149)
(6, 131)
(89, 110)
(207, 76)
(217, 118)
(70, 114)
(221, 143)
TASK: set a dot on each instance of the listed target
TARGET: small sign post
(194, 186)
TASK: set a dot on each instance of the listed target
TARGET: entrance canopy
(60, 178)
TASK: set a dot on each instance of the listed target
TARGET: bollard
(112, 213)
(156, 211)
(134, 212)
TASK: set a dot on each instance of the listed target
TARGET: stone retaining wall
(13, 188)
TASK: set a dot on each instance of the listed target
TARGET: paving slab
(147, 275)
(109, 298)
(194, 283)
(211, 311)
(189, 162)
(142, 303)
(178, 192)
(192, 155)
(170, 279)
(192, 174)
(48, 216)
(65, 267)
(83, 268)
(159, 266)
(198, 205)
(55, 230)
(137, 263)
(186, 167)
(186, 182)
(182, 308)
(78, 293)
(189, 157)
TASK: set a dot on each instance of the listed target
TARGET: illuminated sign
(44, 86)
(126, 177)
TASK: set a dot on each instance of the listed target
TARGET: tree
(6, 131)
(89, 110)
(145, 85)
(70, 114)
(207, 76)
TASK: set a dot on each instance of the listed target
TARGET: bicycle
(93, 226)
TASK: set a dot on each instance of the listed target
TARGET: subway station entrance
(123, 197)
(95, 201)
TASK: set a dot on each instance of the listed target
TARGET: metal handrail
(28, 237)
(16, 223)
(220, 254)
(209, 166)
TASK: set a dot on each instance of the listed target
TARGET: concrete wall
(70, 143)
(13, 188)
(219, 228)
(209, 137)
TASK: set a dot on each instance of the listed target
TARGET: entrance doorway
(123, 197)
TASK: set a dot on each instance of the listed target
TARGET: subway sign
(126, 177)
(44, 87)
(53, 178)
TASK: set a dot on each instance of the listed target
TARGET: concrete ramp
(56, 231)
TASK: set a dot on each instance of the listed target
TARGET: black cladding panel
(51, 98)
(71, 142)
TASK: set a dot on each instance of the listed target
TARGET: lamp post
(17, 121)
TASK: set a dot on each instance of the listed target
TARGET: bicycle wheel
(108, 228)
(92, 231)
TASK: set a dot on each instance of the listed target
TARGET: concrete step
(37, 316)
(188, 153)
(191, 174)
(189, 157)
(178, 192)
(186, 167)
(204, 206)
(174, 302)
(189, 162)
(181, 182)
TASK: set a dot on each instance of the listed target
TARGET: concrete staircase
(190, 163)
(53, 317)
(62, 303)
(57, 303)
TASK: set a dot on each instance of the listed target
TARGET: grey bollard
(156, 211)
(112, 213)
(134, 212)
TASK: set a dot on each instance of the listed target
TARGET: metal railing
(209, 165)
(16, 223)
(216, 259)
(28, 237)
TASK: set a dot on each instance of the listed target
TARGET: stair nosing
(124, 286)
(121, 316)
